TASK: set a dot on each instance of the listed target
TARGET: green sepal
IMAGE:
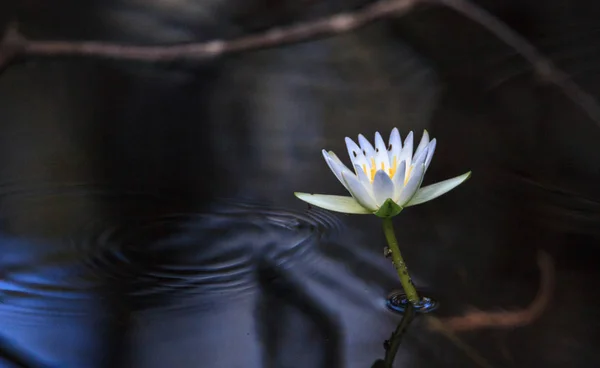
(388, 209)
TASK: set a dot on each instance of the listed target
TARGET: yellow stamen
(393, 167)
(373, 170)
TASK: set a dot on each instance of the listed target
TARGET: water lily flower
(385, 178)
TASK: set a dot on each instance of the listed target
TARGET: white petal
(430, 152)
(394, 147)
(422, 144)
(435, 190)
(383, 187)
(336, 159)
(335, 165)
(398, 180)
(333, 203)
(416, 178)
(407, 150)
(382, 159)
(359, 192)
(417, 161)
(357, 156)
(364, 180)
(407, 169)
(366, 146)
(420, 158)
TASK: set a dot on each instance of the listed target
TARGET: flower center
(371, 170)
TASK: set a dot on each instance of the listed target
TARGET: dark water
(147, 216)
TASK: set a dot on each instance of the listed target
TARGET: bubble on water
(397, 302)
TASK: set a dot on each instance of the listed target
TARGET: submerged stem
(398, 261)
(394, 341)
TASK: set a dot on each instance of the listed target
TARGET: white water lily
(385, 179)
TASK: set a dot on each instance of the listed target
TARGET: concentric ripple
(79, 241)
(39, 269)
(211, 252)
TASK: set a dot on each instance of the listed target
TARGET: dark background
(146, 210)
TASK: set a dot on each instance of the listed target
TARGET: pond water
(147, 216)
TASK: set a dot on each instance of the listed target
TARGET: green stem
(407, 285)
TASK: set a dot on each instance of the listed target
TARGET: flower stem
(394, 341)
(398, 261)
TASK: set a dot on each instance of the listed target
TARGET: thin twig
(339, 23)
(482, 319)
(449, 327)
(14, 45)
(541, 64)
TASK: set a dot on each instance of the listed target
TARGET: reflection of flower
(385, 179)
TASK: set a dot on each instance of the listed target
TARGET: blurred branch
(541, 64)
(480, 319)
(14, 45)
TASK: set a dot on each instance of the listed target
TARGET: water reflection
(114, 251)
(239, 284)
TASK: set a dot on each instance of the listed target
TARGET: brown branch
(339, 23)
(15, 45)
(477, 320)
(541, 64)
(11, 46)
(481, 319)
